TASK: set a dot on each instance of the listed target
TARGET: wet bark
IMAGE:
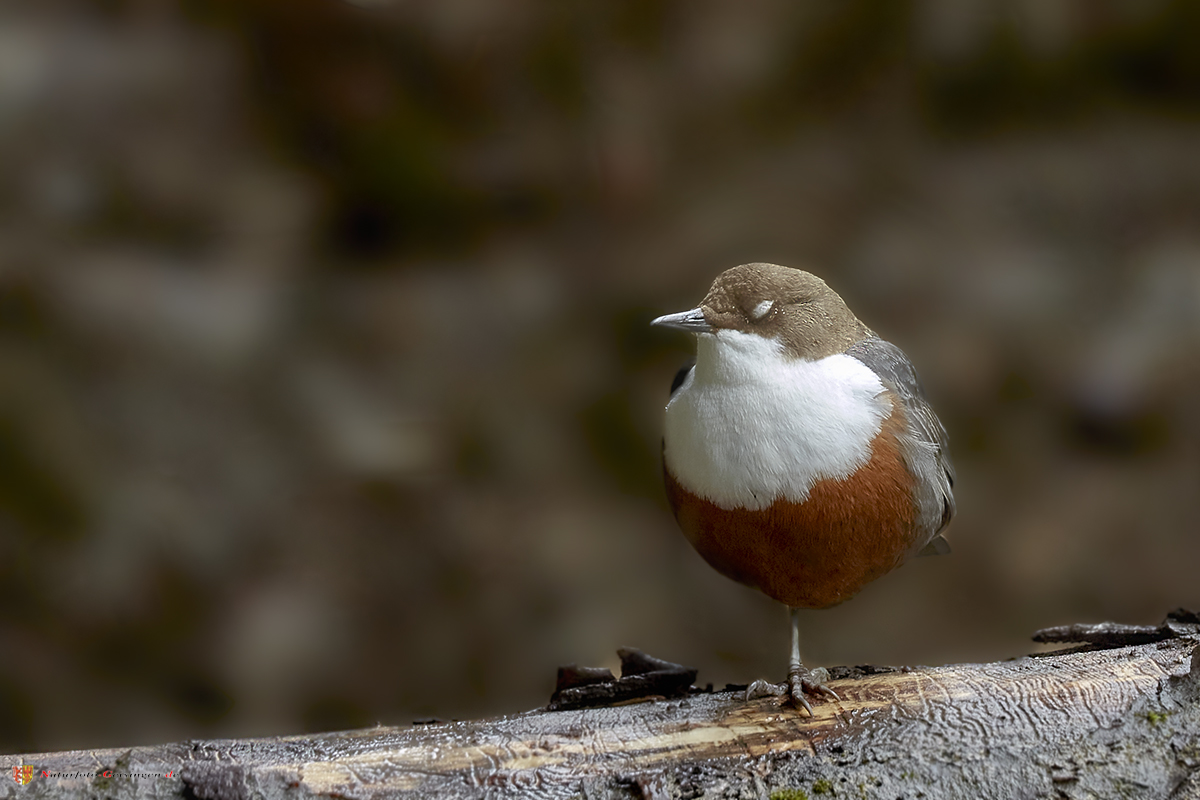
(1118, 716)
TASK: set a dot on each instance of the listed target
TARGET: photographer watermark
(25, 773)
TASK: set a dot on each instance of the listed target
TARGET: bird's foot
(801, 682)
(761, 688)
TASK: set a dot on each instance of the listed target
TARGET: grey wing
(925, 448)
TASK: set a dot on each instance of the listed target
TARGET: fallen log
(1118, 716)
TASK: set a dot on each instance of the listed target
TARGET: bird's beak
(685, 321)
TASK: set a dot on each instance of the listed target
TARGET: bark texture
(1103, 720)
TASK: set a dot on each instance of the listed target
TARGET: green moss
(822, 786)
(789, 794)
(1155, 717)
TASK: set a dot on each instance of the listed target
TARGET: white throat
(751, 425)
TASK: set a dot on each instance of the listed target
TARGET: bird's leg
(801, 680)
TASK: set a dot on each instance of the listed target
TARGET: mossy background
(327, 395)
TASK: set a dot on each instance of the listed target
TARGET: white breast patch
(751, 425)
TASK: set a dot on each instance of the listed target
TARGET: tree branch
(1106, 720)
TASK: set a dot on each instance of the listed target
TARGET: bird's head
(791, 306)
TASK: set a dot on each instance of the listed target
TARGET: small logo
(23, 773)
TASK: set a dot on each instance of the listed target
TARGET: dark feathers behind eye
(680, 377)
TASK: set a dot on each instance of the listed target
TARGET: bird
(800, 454)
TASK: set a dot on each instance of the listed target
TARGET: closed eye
(761, 310)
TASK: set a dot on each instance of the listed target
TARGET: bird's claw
(803, 682)
(761, 688)
(800, 683)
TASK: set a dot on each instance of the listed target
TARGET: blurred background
(327, 395)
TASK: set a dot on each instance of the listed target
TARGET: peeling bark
(1105, 720)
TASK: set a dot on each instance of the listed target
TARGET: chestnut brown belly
(817, 553)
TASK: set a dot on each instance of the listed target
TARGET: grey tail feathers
(938, 546)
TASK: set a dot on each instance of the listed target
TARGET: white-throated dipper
(799, 452)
